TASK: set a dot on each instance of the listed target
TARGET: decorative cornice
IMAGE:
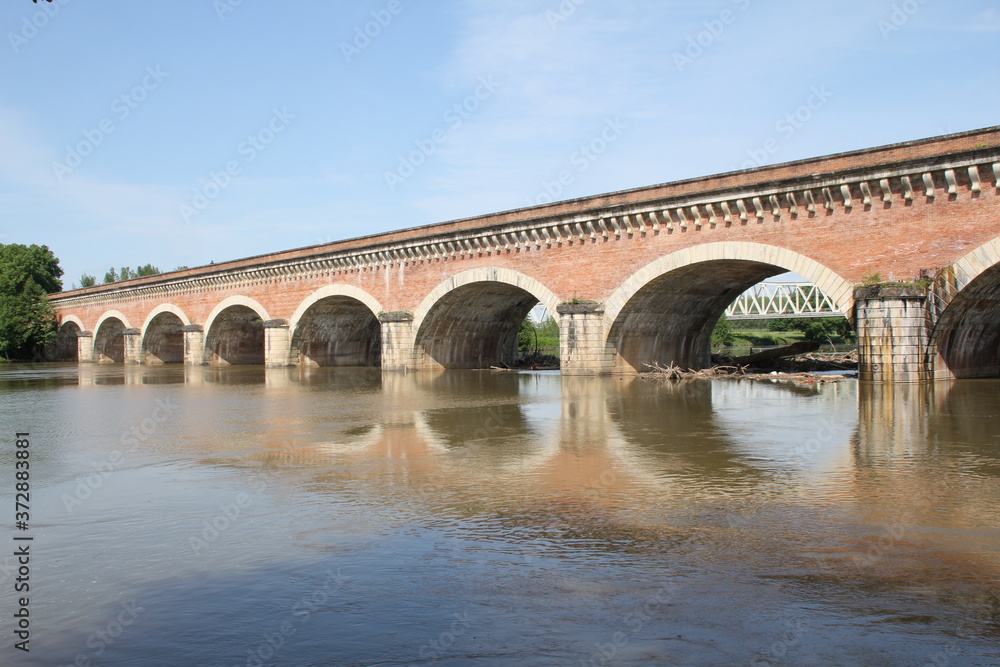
(933, 180)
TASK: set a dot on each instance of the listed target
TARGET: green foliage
(548, 334)
(871, 280)
(723, 334)
(87, 280)
(18, 263)
(533, 338)
(127, 273)
(526, 336)
(824, 328)
(27, 322)
(758, 332)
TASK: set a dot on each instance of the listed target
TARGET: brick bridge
(633, 277)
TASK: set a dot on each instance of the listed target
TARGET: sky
(184, 132)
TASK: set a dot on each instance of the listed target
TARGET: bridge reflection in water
(549, 509)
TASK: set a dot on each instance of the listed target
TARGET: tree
(527, 337)
(27, 321)
(87, 280)
(825, 328)
(722, 334)
(127, 273)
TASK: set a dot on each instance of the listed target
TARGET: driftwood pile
(772, 365)
(676, 373)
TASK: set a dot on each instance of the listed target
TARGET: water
(242, 516)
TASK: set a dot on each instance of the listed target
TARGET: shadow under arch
(109, 337)
(965, 297)
(235, 333)
(65, 347)
(471, 320)
(163, 335)
(337, 325)
(665, 312)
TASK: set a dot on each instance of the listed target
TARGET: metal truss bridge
(778, 300)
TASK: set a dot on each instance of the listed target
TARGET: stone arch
(74, 319)
(234, 332)
(165, 308)
(117, 314)
(109, 337)
(665, 311)
(337, 325)
(65, 347)
(163, 335)
(471, 319)
(964, 304)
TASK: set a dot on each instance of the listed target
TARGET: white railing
(777, 300)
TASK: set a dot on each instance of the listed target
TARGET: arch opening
(164, 340)
(670, 319)
(109, 342)
(337, 331)
(967, 336)
(65, 346)
(236, 337)
(473, 326)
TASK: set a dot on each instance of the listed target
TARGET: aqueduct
(904, 239)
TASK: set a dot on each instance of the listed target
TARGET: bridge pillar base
(194, 345)
(892, 334)
(133, 346)
(277, 344)
(397, 340)
(85, 347)
(582, 347)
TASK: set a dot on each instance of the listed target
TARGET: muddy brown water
(243, 516)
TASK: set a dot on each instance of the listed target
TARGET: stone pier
(892, 329)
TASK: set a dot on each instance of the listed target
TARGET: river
(243, 516)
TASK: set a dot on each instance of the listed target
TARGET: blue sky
(190, 131)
